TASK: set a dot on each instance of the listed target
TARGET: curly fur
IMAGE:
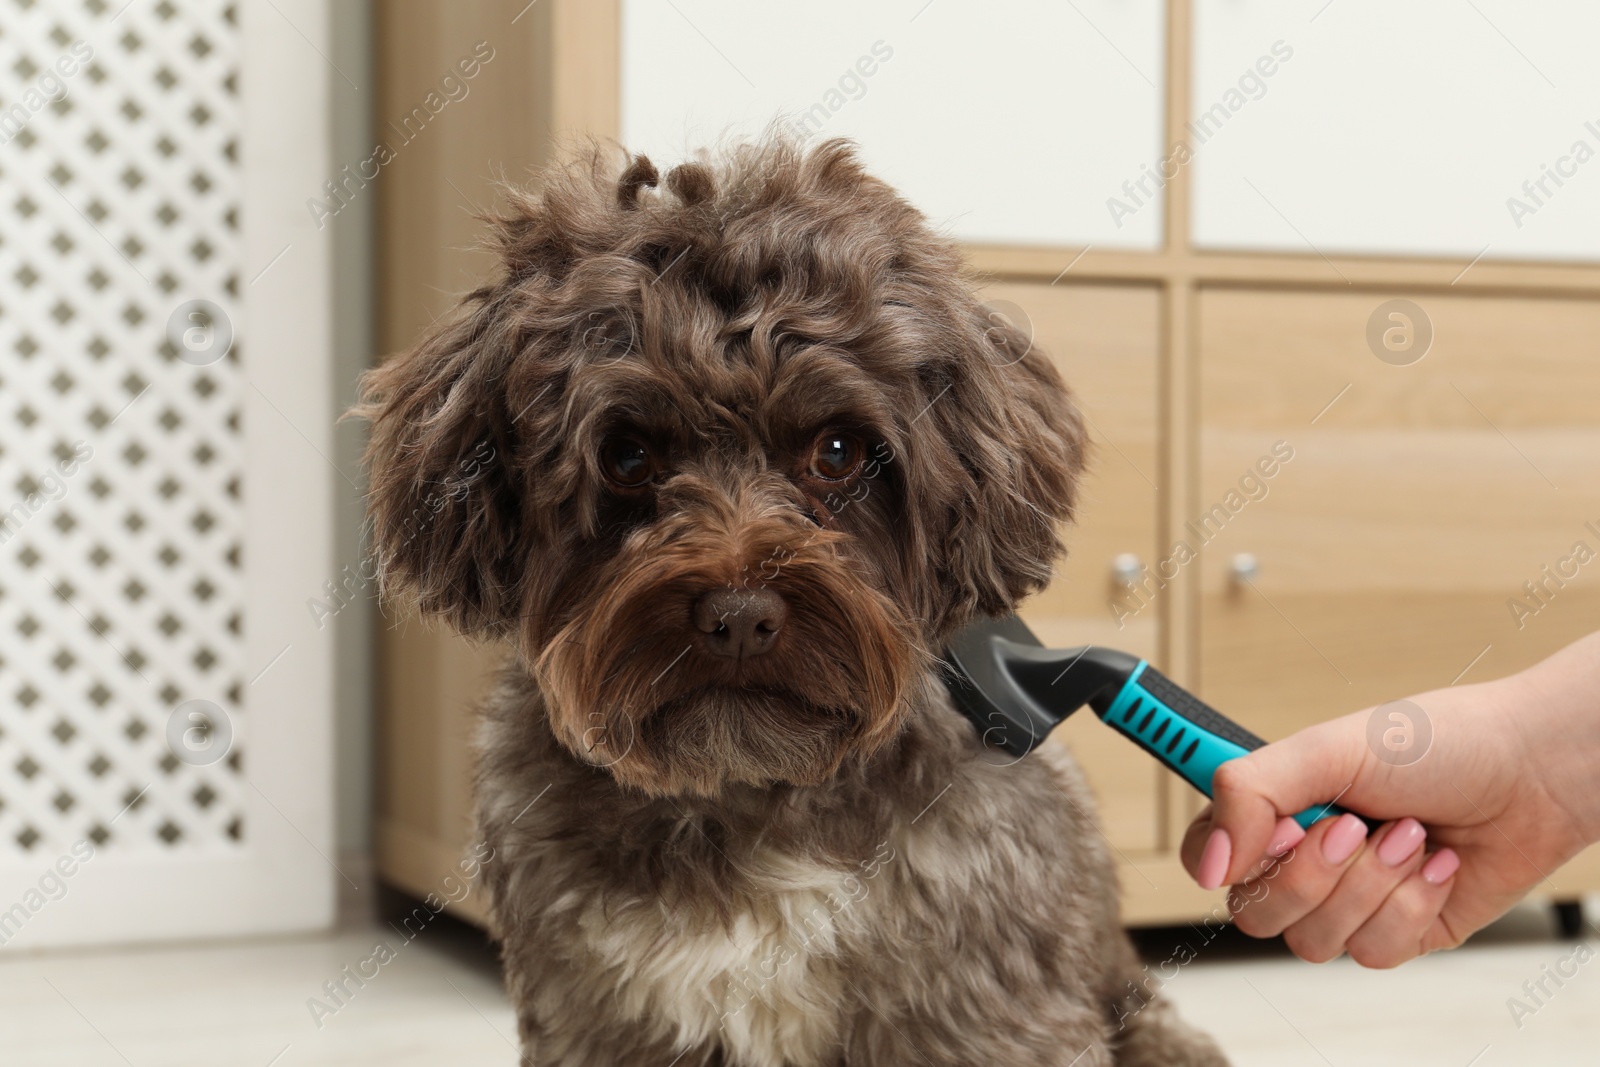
(801, 857)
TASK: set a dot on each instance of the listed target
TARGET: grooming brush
(1016, 691)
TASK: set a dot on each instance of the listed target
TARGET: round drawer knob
(1244, 567)
(1126, 569)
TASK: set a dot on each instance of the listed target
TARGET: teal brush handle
(1175, 727)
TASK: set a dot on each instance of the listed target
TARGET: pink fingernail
(1440, 867)
(1214, 860)
(1401, 842)
(1343, 838)
(1285, 836)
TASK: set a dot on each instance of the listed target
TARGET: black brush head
(1016, 691)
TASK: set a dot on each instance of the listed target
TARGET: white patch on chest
(768, 989)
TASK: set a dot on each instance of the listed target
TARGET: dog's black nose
(739, 622)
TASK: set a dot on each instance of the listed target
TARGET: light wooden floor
(438, 1004)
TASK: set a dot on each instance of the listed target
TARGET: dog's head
(726, 455)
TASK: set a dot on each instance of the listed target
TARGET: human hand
(1504, 793)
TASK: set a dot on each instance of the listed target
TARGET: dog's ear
(457, 425)
(440, 504)
(1016, 448)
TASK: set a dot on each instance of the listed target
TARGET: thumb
(1250, 795)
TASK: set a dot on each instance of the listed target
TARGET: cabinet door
(1010, 122)
(1409, 128)
(1397, 545)
(1104, 340)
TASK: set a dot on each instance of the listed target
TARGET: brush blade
(979, 677)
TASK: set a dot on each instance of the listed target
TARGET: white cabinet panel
(1400, 128)
(1009, 122)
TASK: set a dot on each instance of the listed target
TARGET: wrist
(1555, 709)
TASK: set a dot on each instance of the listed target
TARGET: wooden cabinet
(1106, 342)
(1394, 507)
(1431, 524)
(1394, 546)
(977, 112)
(429, 681)
(429, 251)
(1400, 129)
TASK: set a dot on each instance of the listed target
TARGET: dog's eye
(626, 461)
(836, 456)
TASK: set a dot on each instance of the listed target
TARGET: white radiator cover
(164, 499)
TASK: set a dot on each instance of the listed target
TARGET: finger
(1394, 854)
(1407, 924)
(1294, 886)
(1194, 841)
(1251, 793)
(1286, 834)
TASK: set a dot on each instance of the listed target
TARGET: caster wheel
(1569, 918)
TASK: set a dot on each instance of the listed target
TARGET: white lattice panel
(120, 585)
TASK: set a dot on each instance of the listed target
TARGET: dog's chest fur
(766, 984)
(803, 928)
(697, 930)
